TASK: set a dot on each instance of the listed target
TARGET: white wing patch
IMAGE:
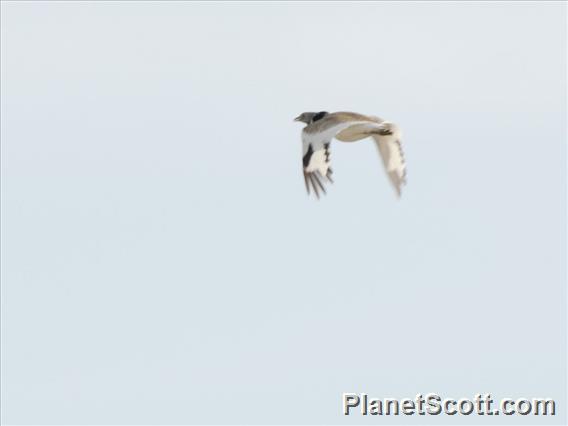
(393, 159)
(318, 163)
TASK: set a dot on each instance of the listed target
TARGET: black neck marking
(319, 116)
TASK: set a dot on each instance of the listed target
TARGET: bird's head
(310, 117)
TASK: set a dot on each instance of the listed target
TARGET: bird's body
(321, 127)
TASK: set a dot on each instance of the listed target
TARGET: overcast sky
(162, 263)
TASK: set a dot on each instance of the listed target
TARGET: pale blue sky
(162, 264)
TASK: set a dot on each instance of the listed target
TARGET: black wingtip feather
(317, 176)
(315, 188)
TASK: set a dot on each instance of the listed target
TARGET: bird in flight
(322, 126)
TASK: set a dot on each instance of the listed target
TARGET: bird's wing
(390, 148)
(387, 137)
(316, 154)
(317, 166)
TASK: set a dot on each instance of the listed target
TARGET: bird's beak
(297, 118)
